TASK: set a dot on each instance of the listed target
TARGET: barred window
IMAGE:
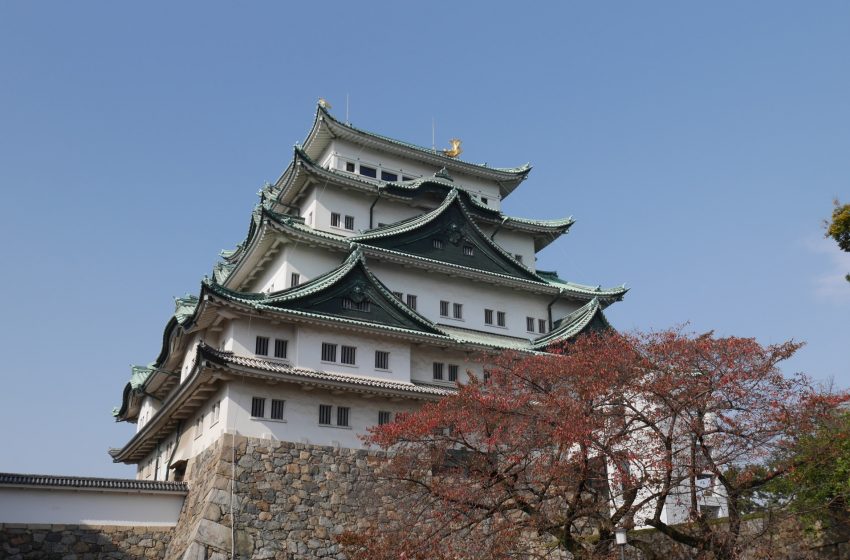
(277, 409)
(529, 324)
(468, 250)
(258, 407)
(488, 316)
(518, 258)
(348, 355)
(342, 415)
(398, 295)
(349, 222)
(383, 417)
(365, 305)
(541, 325)
(500, 318)
(349, 166)
(325, 414)
(444, 309)
(216, 411)
(453, 372)
(280, 348)
(335, 219)
(382, 359)
(457, 310)
(261, 347)
(294, 279)
(411, 301)
(328, 352)
(438, 371)
(438, 244)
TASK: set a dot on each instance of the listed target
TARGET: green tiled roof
(517, 171)
(613, 294)
(482, 338)
(587, 317)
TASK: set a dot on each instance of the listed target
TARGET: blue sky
(698, 146)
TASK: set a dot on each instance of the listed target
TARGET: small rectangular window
(484, 200)
(364, 305)
(261, 347)
(325, 414)
(438, 371)
(199, 427)
(518, 258)
(349, 166)
(367, 171)
(348, 355)
(488, 316)
(500, 318)
(453, 372)
(277, 409)
(280, 348)
(468, 250)
(383, 417)
(349, 223)
(382, 359)
(411, 301)
(529, 324)
(438, 243)
(444, 309)
(336, 218)
(457, 310)
(406, 178)
(541, 325)
(328, 352)
(387, 176)
(398, 295)
(258, 407)
(294, 279)
(342, 415)
(216, 412)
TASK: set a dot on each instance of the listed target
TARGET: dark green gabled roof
(587, 318)
(336, 295)
(606, 295)
(450, 224)
(134, 389)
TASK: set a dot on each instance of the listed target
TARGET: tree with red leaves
(549, 453)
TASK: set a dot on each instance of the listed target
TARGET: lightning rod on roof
(346, 110)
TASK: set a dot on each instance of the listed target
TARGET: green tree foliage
(838, 227)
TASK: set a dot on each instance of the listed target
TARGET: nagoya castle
(374, 277)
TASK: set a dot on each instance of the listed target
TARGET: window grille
(398, 295)
(529, 324)
(328, 352)
(383, 417)
(468, 250)
(364, 305)
(438, 244)
(342, 415)
(280, 348)
(349, 166)
(541, 325)
(453, 372)
(411, 301)
(294, 279)
(382, 359)
(444, 309)
(488, 316)
(261, 348)
(348, 355)
(457, 311)
(258, 407)
(325, 414)
(335, 219)
(500, 318)
(349, 222)
(518, 258)
(438, 371)
(277, 409)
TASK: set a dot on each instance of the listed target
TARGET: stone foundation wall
(289, 500)
(79, 542)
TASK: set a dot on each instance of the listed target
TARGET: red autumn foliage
(551, 452)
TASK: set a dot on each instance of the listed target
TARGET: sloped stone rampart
(289, 500)
(82, 542)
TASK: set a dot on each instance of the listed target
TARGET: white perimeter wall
(74, 507)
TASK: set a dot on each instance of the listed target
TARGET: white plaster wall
(74, 507)
(515, 243)
(431, 288)
(190, 355)
(307, 261)
(340, 151)
(422, 364)
(301, 414)
(149, 407)
(390, 212)
(346, 203)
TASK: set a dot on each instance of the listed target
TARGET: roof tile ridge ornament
(444, 174)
